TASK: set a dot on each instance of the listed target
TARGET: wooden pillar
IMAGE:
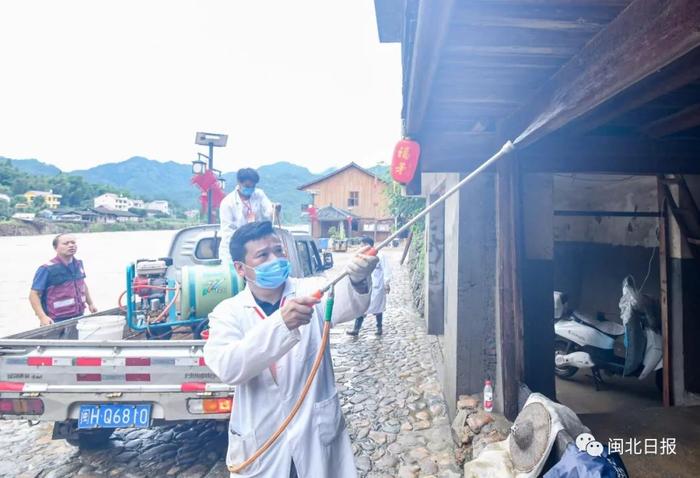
(470, 349)
(682, 328)
(537, 281)
(509, 306)
(434, 312)
(663, 293)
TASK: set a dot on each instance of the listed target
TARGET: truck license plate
(114, 416)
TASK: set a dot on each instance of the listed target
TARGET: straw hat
(530, 437)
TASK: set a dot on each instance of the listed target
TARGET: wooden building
(353, 198)
(610, 88)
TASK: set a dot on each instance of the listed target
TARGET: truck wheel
(562, 348)
(91, 439)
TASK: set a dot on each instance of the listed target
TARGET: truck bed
(51, 363)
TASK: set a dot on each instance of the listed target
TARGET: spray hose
(304, 392)
(505, 149)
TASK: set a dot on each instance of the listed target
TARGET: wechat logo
(587, 442)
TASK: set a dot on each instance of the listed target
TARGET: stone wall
(416, 267)
(473, 428)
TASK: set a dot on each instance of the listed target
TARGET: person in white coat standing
(381, 278)
(264, 341)
(246, 204)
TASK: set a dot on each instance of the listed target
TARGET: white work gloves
(361, 266)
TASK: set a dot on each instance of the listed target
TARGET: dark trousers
(293, 471)
(359, 320)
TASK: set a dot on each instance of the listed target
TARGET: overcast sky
(91, 82)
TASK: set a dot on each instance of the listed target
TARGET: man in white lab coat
(264, 341)
(247, 203)
(381, 278)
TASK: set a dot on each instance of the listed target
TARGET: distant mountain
(171, 181)
(150, 179)
(146, 178)
(381, 170)
(33, 166)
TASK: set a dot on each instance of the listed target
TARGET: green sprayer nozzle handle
(330, 299)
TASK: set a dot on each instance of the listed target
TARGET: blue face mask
(272, 274)
(247, 192)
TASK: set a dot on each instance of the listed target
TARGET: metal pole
(210, 219)
(507, 148)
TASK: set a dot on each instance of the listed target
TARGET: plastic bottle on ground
(488, 396)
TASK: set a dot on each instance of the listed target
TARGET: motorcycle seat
(612, 329)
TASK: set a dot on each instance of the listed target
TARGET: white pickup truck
(89, 387)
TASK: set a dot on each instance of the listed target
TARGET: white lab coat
(241, 351)
(381, 276)
(232, 216)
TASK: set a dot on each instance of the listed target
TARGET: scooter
(583, 342)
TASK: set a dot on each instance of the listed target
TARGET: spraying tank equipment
(156, 302)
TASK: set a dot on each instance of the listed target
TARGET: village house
(51, 200)
(75, 215)
(600, 99)
(117, 202)
(158, 206)
(352, 198)
(105, 215)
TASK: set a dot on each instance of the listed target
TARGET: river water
(105, 256)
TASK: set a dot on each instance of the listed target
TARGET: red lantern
(405, 161)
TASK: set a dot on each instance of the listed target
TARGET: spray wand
(505, 149)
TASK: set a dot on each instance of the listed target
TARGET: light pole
(211, 140)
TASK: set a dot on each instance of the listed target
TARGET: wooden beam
(647, 36)
(431, 29)
(552, 51)
(683, 120)
(664, 82)
(514, 36)
(472, 108)
(559, 3)
(463, 152)
(455, 152)
(472, 18)
(600, 154)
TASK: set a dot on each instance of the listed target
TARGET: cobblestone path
(393, 404)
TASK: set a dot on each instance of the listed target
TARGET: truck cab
(199, 245)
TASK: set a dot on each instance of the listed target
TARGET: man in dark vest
(59, 291)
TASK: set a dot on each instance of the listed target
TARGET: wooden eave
(484, 71)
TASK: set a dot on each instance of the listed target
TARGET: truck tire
(91, 439)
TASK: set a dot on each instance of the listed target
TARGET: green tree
(5, 211)
(18, 199)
